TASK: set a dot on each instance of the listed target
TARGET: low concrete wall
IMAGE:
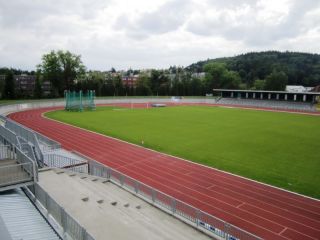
(5, 109)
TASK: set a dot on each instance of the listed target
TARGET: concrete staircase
(105, 209)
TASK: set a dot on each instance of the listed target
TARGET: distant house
(2, 77)
(130, 81)
(46, 88)
(199, 75)
(316, 89)
(25, 84)
(297, 89)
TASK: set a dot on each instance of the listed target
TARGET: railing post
(198, 214)
(136, 189)
(226, 230)
(89, 167)
(47, 204)
(153, 195)
(84, 234)
(108, 173)
(173, 205)
(64, 222)
(35, 172)
(121, 180)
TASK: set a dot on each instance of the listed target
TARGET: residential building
(46, 88)
(25, 84)
(297, 89)
(130, 81)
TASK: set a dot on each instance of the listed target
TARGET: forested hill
(300, 68)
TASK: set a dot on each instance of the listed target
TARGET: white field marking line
(241, 204)
(298, 194)
(120, 109)
(283, 230)
(169, 186)
(265, 184)
(237, 106)
(266, 110)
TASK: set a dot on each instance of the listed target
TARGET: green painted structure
(79, 101)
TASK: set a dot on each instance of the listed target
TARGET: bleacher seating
(280, 105)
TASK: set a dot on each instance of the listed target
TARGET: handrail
(22, 158)
(12, 174)
(21, 170)
(60, 161)
(68, 224)
(27, 134)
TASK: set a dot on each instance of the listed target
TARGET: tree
(9, 86)
(214, 72)
(230, 80)
(37, 88)
(218, 76)
(143, 85)
(61, 68)
(117, 85)
(276, 81)
(259, 84)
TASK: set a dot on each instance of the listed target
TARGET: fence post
(153, 193)
(136, 189)
(84, 234)
(173, 205)
(35, 172)
(47, 204)
(108, 173)
(227, 230)
(89, 167)
(121, 180)
(198, 214)
(64, 222)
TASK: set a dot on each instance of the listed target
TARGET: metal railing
(9, 136)
(47, 143)
(32, 168)
(28, 135)
(21, 169)
(68, 224)
(60, 161)
(14, 174)
(184, 211)
(6, 152)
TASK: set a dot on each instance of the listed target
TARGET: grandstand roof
(265, 91)
(19, 219)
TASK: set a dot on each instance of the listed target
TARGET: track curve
(266, 211)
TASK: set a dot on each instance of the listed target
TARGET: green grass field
(281, 149)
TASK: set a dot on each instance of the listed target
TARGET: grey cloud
(22, 14)
(230, 3)
(249, 30)
(177, 32)
(169, 17)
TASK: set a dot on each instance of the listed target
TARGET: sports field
(281, 149)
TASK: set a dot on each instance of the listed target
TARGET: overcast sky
(153, 33)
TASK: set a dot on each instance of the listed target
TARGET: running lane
(268, 212)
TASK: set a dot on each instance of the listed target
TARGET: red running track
(266, 211)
